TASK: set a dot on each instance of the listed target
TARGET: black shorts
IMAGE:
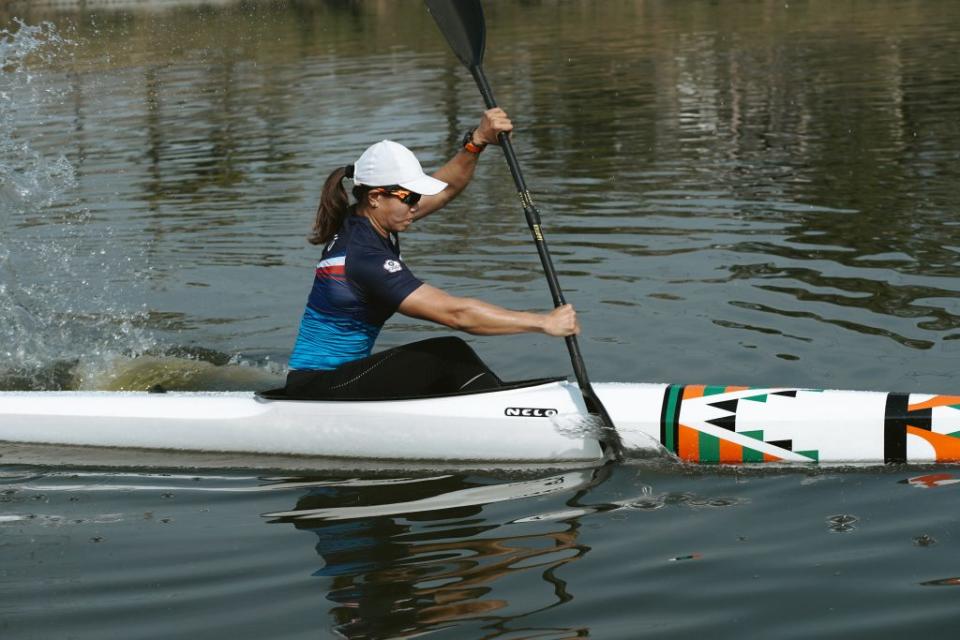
(430, 367)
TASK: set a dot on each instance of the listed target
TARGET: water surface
(743, 193)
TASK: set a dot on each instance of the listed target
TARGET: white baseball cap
(387, 162)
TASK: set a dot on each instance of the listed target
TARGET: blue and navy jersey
(360, 281)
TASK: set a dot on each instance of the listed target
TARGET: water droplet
(924, 540)
(842, 523)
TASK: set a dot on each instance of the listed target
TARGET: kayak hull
(540, 423)
(468, 428)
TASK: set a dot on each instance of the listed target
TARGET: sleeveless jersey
(359, 283)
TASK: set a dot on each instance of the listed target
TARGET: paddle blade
(461, 23)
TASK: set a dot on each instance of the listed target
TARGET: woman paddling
(361, 280)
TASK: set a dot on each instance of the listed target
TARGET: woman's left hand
(494, 122)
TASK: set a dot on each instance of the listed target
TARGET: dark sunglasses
(405, 196)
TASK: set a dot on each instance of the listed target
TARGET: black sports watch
(469, 145)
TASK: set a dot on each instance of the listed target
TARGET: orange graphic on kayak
(946, 448)
(936, 401)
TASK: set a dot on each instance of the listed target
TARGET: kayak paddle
(461, 22)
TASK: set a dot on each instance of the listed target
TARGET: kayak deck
(542, 421)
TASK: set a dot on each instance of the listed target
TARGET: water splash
(28, 178)
(638, 446)
(178, 373)
(51, 315)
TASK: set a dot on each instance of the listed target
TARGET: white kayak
(537, 421)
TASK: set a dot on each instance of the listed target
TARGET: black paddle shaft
(462, 24)
(529, 209)
(533, 221)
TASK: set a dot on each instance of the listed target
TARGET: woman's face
(390, 212)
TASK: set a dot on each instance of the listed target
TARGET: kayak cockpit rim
(280, 394)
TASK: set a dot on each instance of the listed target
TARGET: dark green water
(744, 193)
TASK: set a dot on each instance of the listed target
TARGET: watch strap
(469, 145)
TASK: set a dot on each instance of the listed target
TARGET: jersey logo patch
(392, 266)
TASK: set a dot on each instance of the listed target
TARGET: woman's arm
(458, 171)
(482, 318)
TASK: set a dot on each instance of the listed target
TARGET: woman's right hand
(562, 322)
(494, 122)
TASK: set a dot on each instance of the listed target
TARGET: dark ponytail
(334, 206)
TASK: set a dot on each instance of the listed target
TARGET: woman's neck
(368, 213)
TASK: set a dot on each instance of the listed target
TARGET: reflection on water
(408, 557)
